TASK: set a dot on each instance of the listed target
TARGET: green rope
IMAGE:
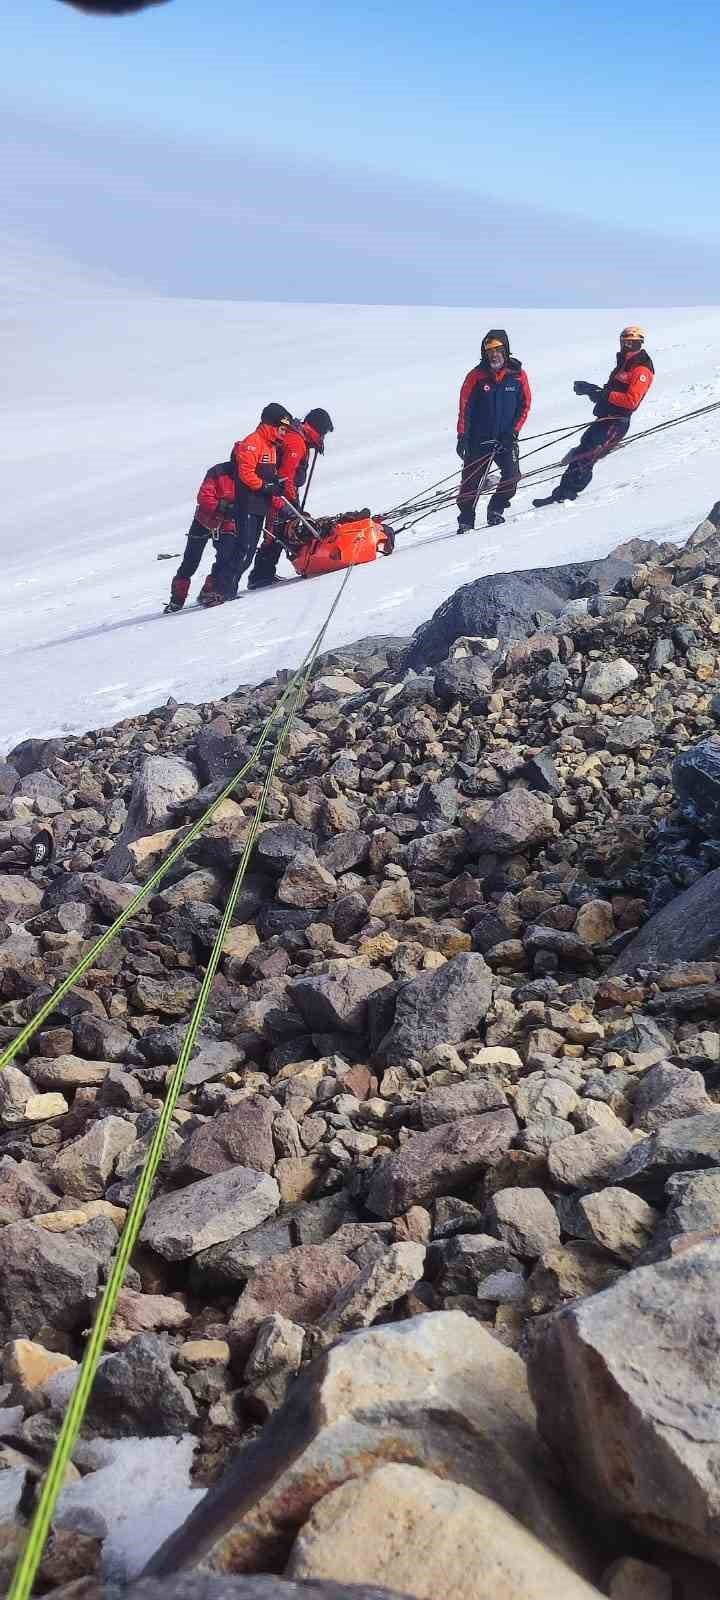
(29, 1561)
(89, 959)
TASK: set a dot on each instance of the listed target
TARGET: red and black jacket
(627, 386)
(216, 499)
(293, 454)
(493, 404)
(260, 448)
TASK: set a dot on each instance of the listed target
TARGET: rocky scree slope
(436, 1239)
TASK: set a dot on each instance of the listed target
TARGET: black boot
(494, 518)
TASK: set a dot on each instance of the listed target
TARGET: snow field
(116, 404)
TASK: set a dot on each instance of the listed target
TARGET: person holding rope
(494, 405)
(293, 457)
(233, 500)
(626, 388)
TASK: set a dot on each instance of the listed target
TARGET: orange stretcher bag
(352, 541)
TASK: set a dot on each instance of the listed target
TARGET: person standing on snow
(626, 388)
(215, 514)
(293, 457)
(232, 501)
(494, 405)
(257, 492)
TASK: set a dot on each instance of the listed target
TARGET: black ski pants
(234, 552)
(197, 539)
(506, 456)
(597, 441)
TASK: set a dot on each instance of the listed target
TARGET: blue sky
(605, 115)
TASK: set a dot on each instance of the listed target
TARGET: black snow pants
(597, 441)
(197, 539)
(506, 456)
(234, 552)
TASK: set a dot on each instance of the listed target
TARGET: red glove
(277, 503)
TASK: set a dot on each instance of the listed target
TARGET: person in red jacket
(494, 405)
(215, 514)
(293, 458)
(626, 388)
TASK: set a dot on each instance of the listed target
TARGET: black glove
(226, 508)
(461, 447)
(592, 390)
(267, 470)
(273, 486)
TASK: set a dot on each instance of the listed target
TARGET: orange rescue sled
(349, 540)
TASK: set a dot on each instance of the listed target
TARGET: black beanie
(320, 420)
(275, 415)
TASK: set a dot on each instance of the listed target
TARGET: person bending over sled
(494, 405)
(233, 499)
(293, 457)
(626, 388)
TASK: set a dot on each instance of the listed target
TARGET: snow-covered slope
(116, 403)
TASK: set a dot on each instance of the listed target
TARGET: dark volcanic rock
(439, 1007)
(505, 605)
(696, 781)
(689, 927)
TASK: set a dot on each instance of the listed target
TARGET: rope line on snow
(31, 1556)
(424, 504)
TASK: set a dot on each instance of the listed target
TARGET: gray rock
(100, 1039)
(605, 679)
(162, 783)
(32, 755)
(458, 1100)
(84, 1167)
(525, 1220)
(689, 1144)
(274, 1361)
(617, 1220)
(696, 781)
(208, 1212)
(666, 1093)
(516, 821)
(378, 1287)
(587, 1159)
(431, 1164)
(299, 1285)
(136, 1393)
(279, 845)
(626, 1387)
(693, 1206)
(561, 943)
(463, 1262)
(307, 883)
(569, 1272)
(629, 734)
(338, 1000)
(689, 925)
(240, 1137)
(46, 1280)
(466, 680)
(443, 1006)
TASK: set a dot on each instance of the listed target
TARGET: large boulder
(454, 1542)
(505, 605)
(209, 1212)
(626, 1388)
(688, 926)
(465, 1413)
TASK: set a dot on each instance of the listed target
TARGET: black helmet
(276, 416)
(320, 420)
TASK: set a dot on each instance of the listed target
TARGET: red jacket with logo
(259, 449)
(293, 453)
(627, 386)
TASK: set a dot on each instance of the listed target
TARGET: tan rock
(27, 1366)
(465, 1412)
(241, 940)
(146, 853)
(393, 899)
(297, 1177)
(595, 922)
(203, 1353)
(409, 1532)
(42, 1106)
